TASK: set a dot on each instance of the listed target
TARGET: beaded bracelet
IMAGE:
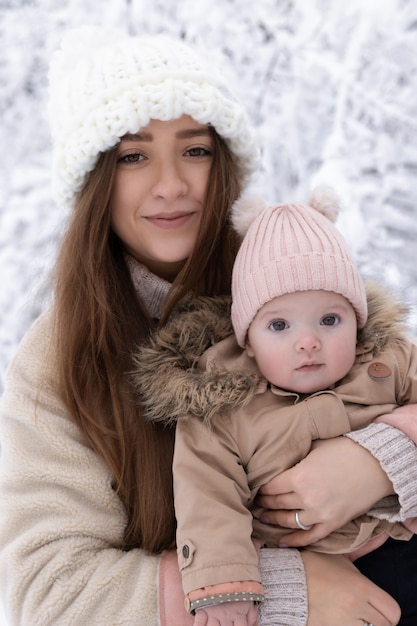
(207, 601)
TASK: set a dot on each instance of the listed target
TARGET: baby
(314, 355)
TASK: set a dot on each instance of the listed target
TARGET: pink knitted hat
(288, 248)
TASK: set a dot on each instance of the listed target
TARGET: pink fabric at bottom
(171, 596)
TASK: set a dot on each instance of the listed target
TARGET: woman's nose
(169, 182)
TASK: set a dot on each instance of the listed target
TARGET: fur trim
(166, 376)
(387, 319)
(171, 386)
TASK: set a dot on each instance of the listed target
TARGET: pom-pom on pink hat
(289, 248)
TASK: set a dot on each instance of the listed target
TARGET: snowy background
(330, 85)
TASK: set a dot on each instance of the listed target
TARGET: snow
(329, 85)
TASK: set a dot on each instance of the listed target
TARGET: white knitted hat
(104, 84)
(288, 248)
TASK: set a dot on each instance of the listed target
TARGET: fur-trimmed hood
(172, 385)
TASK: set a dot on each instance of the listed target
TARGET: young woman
(150, 151)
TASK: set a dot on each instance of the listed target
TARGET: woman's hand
(336, 482)
(339, 594)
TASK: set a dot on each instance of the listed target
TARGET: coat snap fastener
(185, 552)
(379, 371)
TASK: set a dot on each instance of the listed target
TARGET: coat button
(379, 371)
(185, 551)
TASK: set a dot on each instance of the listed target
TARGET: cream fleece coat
(60, 521)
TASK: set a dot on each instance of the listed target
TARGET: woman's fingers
(288, 501)
(301, 538)
(339, 594)
(286, 519)
(338, 481)
(281, 484)
(381, 609)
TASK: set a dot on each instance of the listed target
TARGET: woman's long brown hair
(100, 321)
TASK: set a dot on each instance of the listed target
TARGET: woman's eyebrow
(186, 133)
(189, 133)
(142, 136)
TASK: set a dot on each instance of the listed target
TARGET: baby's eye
(198, 151)
(278, 325)
(330, 320)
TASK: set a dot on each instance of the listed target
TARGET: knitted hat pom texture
(289, 248)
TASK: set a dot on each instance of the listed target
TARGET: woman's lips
(170, 221)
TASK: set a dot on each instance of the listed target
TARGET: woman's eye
(133, 157)
(330, 320)
(198, 152)
(278, 325)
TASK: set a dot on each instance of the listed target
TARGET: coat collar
(173, 379)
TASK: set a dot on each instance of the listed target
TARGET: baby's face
(304, 341)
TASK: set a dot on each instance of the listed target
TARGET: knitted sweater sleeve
(284, 583)
(397, 455)
(60, 521)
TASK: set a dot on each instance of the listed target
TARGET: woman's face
(159, 192)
